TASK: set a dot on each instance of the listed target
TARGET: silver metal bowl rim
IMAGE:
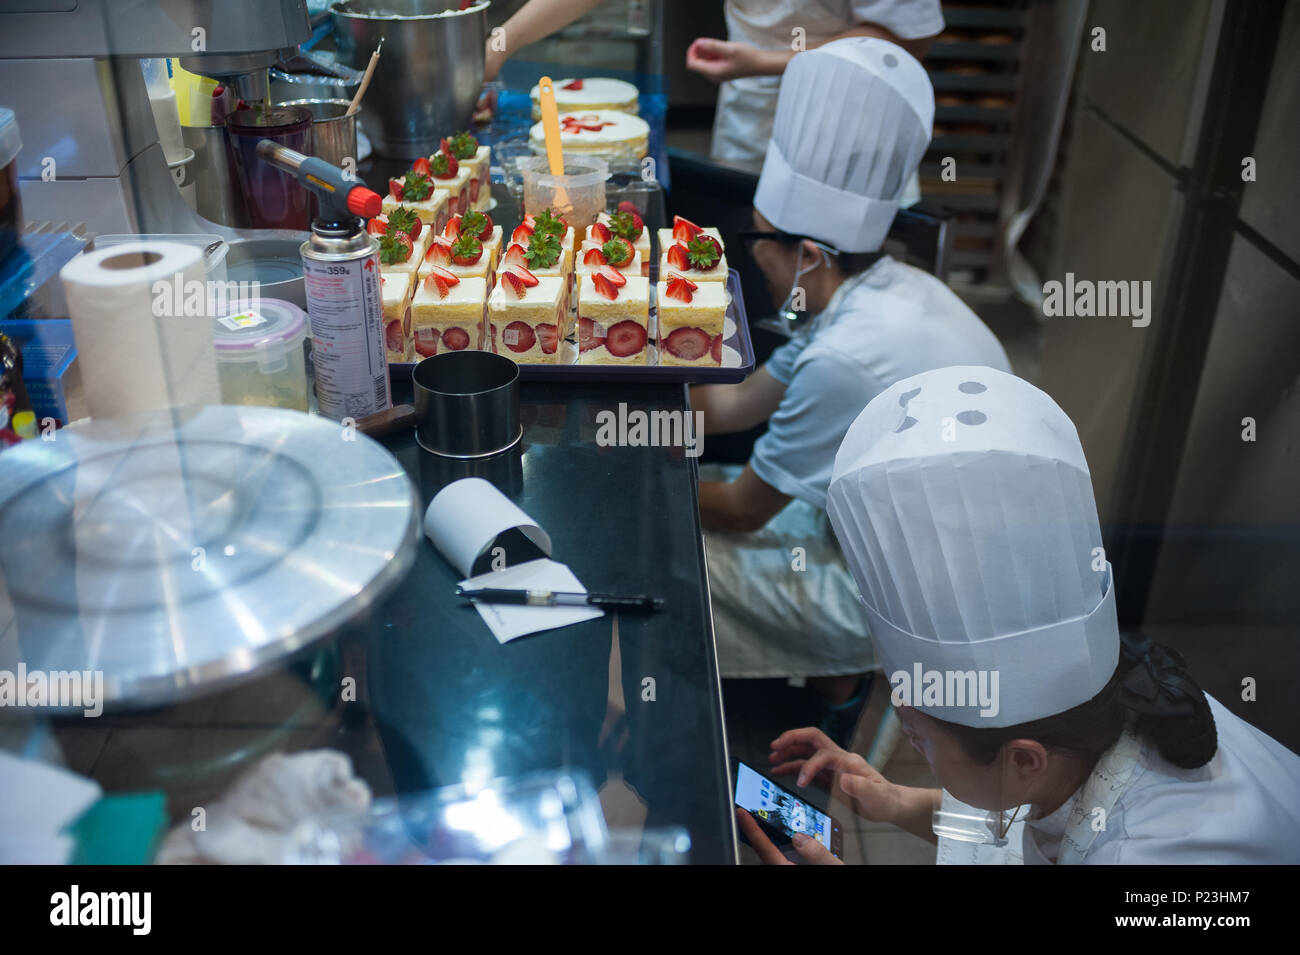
(319, 101)
(462, 394)
(397, 17)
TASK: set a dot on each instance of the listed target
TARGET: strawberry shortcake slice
(526, 318)
(691, 316)
(395, 293)
(447, 312)
(613, 318)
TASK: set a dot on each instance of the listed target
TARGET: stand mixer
(70, 69)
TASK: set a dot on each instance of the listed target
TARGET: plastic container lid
(265, 331)
(10, 142)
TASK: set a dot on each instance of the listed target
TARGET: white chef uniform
(783, 600)
(964, 505)
(743, 123)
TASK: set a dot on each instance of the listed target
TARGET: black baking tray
(687, 374)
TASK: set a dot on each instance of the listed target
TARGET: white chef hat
(852, 121)
(963, 503)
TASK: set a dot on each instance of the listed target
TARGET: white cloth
(743, 123)
(1242, 807)
(253, 822)
(770, 619)
(963, 503)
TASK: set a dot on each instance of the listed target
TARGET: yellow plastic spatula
(551, 127)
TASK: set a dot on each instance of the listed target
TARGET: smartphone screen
(781, 811)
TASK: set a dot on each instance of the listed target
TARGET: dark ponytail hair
(1151, 683)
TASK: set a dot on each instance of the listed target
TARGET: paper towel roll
(168, 121)
(140, 318)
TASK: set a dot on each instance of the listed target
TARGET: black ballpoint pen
(552, 598)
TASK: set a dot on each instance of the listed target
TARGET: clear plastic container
(577, 197)
(260, 358)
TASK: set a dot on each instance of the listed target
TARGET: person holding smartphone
(964, 505)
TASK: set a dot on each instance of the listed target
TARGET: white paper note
(507, 621)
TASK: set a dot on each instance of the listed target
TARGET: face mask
(786, 311)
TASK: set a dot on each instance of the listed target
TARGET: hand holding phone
(780, 814)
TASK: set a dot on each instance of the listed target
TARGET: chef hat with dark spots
(962, 501)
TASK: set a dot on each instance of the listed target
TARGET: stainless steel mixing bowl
(429, 74)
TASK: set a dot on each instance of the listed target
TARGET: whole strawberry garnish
(543, 250)
(440, 280)
(627, 205)
(626, 225)
(405, 220)
(462, 146)
(477, 223)
(394, 248)
(444, 166)
(467, 249)
(703, 252)
(416, 187)
(546, 221)
(619, 252)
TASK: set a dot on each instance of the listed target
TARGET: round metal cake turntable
(178, 552)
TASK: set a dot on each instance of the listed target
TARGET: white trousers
(784, 601)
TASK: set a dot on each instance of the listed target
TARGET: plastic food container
(11, 214)
(577, 197)
(260, 356)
